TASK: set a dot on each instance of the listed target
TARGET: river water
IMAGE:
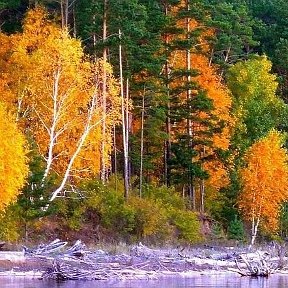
(212, 281)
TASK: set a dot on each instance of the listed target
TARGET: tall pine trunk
(191, 189)
(142, 145)
(124, 124)
(115, 156)
(202, 184)
(127, 126)
(167, 146)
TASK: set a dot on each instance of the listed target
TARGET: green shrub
(9, 224)
(167, 196)
(70, 212)
(111, 206)
(187, 224)
(150, 218)
(155, 217)
(217, 231)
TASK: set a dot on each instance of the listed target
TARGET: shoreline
(37, 275)
(153, 276)
(141, 263)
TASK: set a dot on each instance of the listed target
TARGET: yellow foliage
(13, 161)
(50, 89)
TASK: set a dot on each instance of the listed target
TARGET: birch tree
(264, 180)
(61, 97)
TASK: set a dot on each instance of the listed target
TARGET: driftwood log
(44, 249)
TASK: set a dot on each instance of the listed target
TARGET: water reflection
(196, 282)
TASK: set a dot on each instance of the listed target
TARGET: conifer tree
(199, 107)
(233, 26)
(141, 61)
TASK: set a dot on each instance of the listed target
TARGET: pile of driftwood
(78, 263)
(263, 264)
(259, 266)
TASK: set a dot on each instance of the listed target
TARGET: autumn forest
(163, 121)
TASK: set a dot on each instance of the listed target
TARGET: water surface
(212, 281)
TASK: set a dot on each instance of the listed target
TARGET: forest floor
(140, 262)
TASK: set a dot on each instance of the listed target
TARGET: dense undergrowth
(100, 213)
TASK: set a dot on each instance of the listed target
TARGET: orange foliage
(13, 161)
(218, 174)
(265, 181)
(219, 94)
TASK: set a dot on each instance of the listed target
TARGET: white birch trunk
(254, 231)
(52, 130)
(88, 127)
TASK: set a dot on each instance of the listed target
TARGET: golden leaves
(52, 85)
(13, 161)
(265, 180)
